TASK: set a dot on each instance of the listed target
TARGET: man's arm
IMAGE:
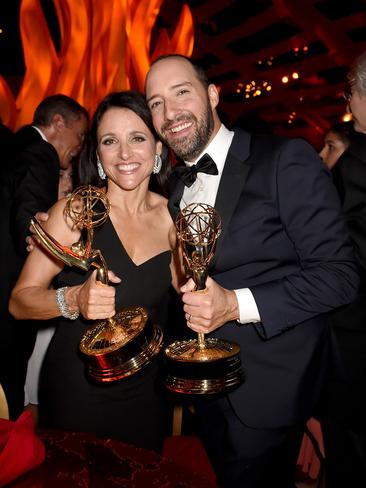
(320, 274)
(326, 276)
(35, 190)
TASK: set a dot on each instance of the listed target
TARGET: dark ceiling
(241, 42)
(247, 46)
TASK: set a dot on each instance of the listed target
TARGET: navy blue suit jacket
(284, 238)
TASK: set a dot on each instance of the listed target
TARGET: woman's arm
(31, 297)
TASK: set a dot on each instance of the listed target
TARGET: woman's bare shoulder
(59, 223)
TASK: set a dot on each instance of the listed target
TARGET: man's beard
(189, 148)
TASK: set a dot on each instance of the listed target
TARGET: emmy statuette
(203, 365)
(120, 346)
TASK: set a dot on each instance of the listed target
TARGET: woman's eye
(107, 142)
(138, 139)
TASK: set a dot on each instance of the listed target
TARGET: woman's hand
(93, 299)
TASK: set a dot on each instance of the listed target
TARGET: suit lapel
(232, 182)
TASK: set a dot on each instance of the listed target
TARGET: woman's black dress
(130, 409)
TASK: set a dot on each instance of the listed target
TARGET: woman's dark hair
(344, 130)
(132, 100)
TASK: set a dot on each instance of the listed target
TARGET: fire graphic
(104, 46)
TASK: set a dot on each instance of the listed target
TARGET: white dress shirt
(204, 190)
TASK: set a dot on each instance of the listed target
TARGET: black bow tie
(188, 174)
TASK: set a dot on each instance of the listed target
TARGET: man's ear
(58, 122)
(213, 95)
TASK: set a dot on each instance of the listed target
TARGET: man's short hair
(67, 107)
(357, 74)
(200, 72)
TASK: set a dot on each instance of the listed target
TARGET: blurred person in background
(65, 184)
(336, 141)
(30, 179)
(44, 334)
(343, 417)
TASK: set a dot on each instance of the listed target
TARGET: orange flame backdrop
(105, 46)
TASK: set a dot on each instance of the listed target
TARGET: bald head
(182, 104)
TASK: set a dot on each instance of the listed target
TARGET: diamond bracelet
(62, 305)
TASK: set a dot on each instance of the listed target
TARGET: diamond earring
(157, 164)
(101, 172)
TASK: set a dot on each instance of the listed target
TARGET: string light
(291, 117)
(253, 88)
(293, 55)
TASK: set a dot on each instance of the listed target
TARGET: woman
(138, 242)
(336, 140)
(65, 183)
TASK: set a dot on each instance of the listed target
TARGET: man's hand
(31, 242)
(208, 309)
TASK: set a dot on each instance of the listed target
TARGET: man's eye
(154, 105)
(183, 91)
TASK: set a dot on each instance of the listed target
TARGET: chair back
(4, 411)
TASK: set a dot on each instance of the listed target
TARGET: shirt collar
(217, 148)
(40, 132)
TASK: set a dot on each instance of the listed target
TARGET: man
(343, 418)
(30, 178)
(282, 261)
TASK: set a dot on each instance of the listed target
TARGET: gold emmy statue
(202, 365)
(120, 346)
